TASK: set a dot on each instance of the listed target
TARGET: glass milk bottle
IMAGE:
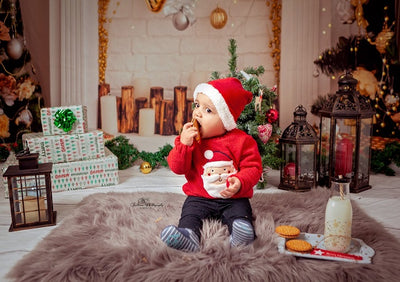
(338, 218)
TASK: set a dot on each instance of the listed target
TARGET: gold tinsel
(275, 42)
(103, 38)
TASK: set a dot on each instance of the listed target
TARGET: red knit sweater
(239, 146)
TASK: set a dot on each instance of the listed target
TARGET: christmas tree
(259, 118)
(373, 58)
(20, 97)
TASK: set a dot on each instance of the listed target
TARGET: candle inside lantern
(344, 157)
(108, 108)
(146, 122)
(290, 170)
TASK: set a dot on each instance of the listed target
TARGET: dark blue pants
(196, 209)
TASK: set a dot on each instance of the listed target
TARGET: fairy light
(275, 42)
(103, 38)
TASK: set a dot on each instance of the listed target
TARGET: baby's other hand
(233, 188)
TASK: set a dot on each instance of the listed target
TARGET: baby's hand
(188, 133)
(233, 188)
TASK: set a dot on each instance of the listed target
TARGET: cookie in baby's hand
(196, 124)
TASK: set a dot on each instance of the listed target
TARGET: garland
(127, 153)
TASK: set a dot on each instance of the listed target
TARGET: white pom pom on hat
(228, 96)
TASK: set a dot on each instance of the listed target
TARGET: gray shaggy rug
(115, 237)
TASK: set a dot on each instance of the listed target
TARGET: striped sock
(183, 239)
(242, 233)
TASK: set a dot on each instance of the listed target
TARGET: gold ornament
(145, 167)
(218, 18)
(155, 5)
(382, 40)
(359, 12)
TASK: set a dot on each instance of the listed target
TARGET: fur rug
(115, 237)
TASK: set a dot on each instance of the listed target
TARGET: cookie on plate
(287, 231)
(300, 246)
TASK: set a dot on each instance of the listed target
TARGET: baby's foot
(183, 239)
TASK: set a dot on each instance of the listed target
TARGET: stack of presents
(80, 159)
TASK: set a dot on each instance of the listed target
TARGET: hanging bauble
(382, 40)
(180, 21)
(15, 48)
(272, 115)
(218, 18)
(264, 132)
(392, 100)
(145, 167)
(24, 117)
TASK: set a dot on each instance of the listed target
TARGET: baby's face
(208, 118)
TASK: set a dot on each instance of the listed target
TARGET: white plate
(357, 247)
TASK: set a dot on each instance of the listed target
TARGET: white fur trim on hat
(219, 102)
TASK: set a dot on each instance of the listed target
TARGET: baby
(221, 168)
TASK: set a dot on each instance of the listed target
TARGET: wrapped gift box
(47, 116)
(65, 148)
(83, 174)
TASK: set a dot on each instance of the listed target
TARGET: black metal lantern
(345, 136)
(30, 195)
(298, 145)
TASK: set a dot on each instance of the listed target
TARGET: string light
(103, 38)
(275, 42)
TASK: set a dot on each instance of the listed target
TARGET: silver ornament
(15, 48)
(180, 21)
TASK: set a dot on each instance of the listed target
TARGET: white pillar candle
(146, 122)
(142, 87)
(109, 118)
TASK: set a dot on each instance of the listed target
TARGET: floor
(382, 202)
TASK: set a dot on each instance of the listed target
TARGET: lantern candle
(344, 157)
(108, 108)
(146, 122)
(290, 170)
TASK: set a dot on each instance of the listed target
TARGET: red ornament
(272, 115)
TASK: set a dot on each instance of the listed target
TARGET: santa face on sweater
(215, 176)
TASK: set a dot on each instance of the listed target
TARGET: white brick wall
(146, 44)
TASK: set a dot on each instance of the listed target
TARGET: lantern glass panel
(30, 201)
(307, 172)
(324, 148)
(365, 145)
(345, 147)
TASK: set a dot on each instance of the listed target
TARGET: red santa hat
(229, 98)
(217, 159)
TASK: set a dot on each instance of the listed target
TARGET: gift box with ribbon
(64, 120)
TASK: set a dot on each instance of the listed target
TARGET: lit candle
(142, 87)
(109, 120)
(146, 122)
